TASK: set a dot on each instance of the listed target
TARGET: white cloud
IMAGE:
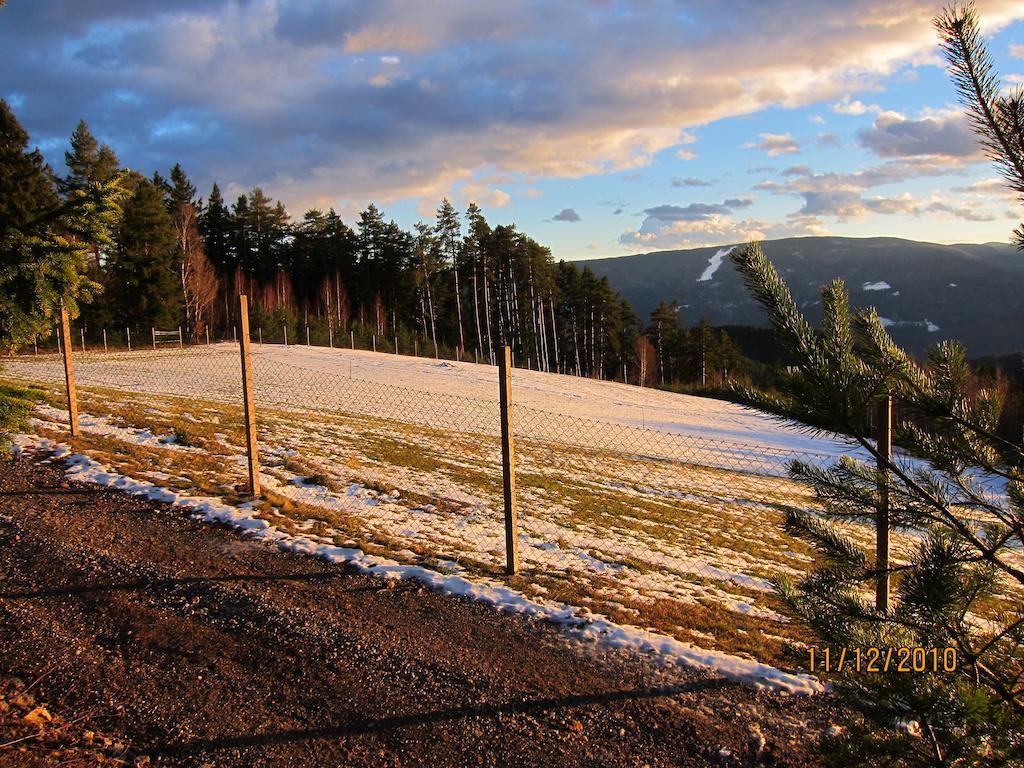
(714, 230)
(855, 107)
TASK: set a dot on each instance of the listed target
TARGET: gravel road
(148, 638)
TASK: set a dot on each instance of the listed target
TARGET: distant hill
(926, 292)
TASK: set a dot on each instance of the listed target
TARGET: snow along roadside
(577, 623)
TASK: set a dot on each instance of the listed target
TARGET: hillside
(928, 292)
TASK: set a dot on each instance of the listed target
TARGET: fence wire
(402, 457)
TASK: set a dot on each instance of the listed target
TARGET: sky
(598, 127)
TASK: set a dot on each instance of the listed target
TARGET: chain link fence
(630, 503)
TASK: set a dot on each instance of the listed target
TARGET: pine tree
(88, 163)
(215, 224)
(449, 233)
(242, 241)
(144, 278)
(997, 116)
(44, 241)
(475, 249)
(959, 588)
(182, 191)
(163, 186)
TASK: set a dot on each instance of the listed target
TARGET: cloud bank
(335, 103)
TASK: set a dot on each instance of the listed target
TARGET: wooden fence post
(352, 338)
(285, 329)
(508, 462)
(207, 335)
(307, 335)
(181, 344)
(396, 345)
(375, 342)
(69, 371)
(81, 331)
(104, 339)
(153, 331)
(883, 436)
(247, 398)
(128, 336)
(330, 335)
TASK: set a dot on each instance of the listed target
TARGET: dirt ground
(131, 634)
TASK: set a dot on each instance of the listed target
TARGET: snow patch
(881, 285)
(578, 624)
(926, 323)
(713, 264)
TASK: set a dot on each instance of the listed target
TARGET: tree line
(458, 285)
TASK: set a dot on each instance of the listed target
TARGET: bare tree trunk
(533, 319)
(554, 333)
(576, 342)
(487, 314)
(458, 299)
(476, 311)
(515, 309)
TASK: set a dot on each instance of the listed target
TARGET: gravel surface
(150, 638)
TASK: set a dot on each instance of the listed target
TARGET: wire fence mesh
(634, 514)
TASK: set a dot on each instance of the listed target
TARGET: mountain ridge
(926, 292)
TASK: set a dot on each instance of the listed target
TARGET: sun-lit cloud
(375, 100)
(855, 107)
(849, 196)
(484, 195)
(675, 226)
(714, 229)
(335, 104)
(775, 144)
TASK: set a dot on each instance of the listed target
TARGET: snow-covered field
(652, 508)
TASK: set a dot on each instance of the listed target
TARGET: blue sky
(599, 127)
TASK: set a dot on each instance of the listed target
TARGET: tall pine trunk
(476, 311)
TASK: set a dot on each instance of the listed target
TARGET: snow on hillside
(713, 264)
(302, 375)
(605, 401)
(630, 499)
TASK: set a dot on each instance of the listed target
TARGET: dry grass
(592, 495)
